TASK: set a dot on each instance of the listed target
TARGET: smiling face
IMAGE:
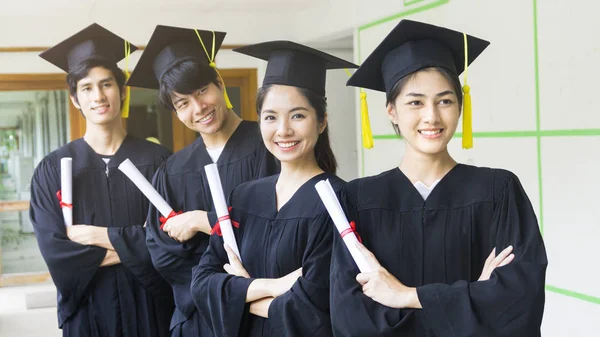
(98, 96)
(289, 125)
(426, 112)
(204, 110)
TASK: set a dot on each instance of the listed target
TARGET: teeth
(430, 132)
(287, 145)
(208, 117)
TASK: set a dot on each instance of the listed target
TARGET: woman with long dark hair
(285, 233)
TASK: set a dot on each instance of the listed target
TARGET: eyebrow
(443, 93)
(85, 83)
(300, 108)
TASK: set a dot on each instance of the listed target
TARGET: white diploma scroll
(144, 185)
(66, 190)
(334, 208)
(218, 196)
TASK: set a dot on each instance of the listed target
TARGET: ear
(323, 124)
(74, 101)
(123, 93)
(391, 112)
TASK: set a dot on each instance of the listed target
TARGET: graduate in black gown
(107, 285)
(455, 249)
(285, 233)
(176, 63)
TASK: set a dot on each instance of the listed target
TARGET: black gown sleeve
(220, 297)
(304, 309)
(130, 244)
(353, 314)
(171, 258)
(71, 265)
(511, 302)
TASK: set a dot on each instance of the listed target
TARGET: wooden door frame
(26, 82)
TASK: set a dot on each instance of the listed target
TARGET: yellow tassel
(367, 136)
(467, 136)
(125, 106)
(227, 101)
(127, 99)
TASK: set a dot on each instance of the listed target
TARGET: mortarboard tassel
(213, 65)
(467, 136)
(127, 99)
(367, 136)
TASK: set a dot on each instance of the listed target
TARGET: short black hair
(185, 78)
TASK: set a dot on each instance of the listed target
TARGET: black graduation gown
(440, 246)
(272, 244)
(182, 182)
(127, 299)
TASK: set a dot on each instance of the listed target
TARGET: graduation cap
(170, 46)
(293, 64)
(412, 46)
(92, 43)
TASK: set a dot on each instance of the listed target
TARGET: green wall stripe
(407, 12)
(411, 2)
(573, 294)
(517, 134)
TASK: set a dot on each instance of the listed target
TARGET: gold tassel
(127, 99)
(467, 136)
(211, 60)
(365, 124)
(125, 105)
(367, 136)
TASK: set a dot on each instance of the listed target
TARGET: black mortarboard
(294, 64)
(93, 42)
(170, 46)
(412, 46)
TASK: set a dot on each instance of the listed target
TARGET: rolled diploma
(334, 208)
(66, 189)
(218, 196)
(142, 183)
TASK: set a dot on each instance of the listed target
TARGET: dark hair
(323, 152)
(448, 75)
(83, 69)
(185, 78)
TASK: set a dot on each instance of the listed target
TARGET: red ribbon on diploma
(352, 229)
(217, 227)
(164, 220)
(62, 204)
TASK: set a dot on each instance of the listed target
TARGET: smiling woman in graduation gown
(176, 63)
(284, 235)
(459, 255)
(126, 297)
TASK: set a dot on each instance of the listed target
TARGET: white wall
(503, 86)
(341, 106)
